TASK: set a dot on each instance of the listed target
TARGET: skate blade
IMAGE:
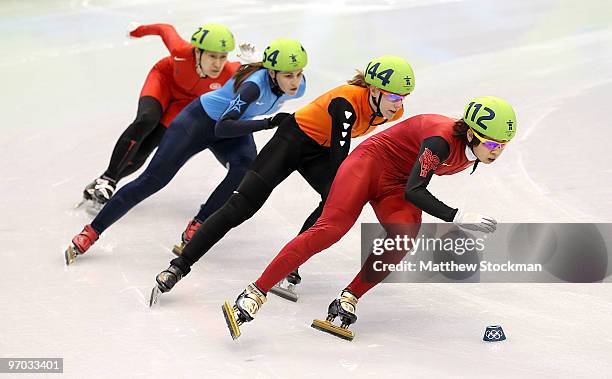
(328, 327)
(285, 293)
(155, 294)
(230, 320)
(78, 205)
(70, 255)
(178, 249)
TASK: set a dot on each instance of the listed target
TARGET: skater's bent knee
(240, 162)
(147, 118)
(145, 186)
(142, 126)
(238, 209)
(336, 218)
(321, 237)
(254, 189)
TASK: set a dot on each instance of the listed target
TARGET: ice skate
(191, 229)
(87, 194)
(80, 244)
(166, 280)
(286, 287)
(104, 189)
(246, 306)
(92, 202)
(344, 307)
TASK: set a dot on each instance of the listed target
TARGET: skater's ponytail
(244, 72)
(358, 80)
(460, 132)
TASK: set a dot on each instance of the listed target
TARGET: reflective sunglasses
(489, 144)
(393, 97)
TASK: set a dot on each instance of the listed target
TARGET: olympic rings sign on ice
(494, 334)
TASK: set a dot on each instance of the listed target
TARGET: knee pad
(237, 210)
(143, 125)
(246, 200)
(147, 118)
(254, 189)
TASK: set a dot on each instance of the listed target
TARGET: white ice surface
(70, 82)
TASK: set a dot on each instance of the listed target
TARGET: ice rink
(70, 81)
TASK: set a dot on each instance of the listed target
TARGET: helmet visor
(393, 97)
(488, 143)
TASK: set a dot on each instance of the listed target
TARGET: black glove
(278, 118)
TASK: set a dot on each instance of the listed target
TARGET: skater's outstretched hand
(475, 221)
(131, 27)
(248, 54)
(278, 118)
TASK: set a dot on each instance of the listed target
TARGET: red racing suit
(173, 80)
(384, 170)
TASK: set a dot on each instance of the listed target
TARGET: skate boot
(192, 228)
(244, 309)
(286, 287)
(80, 244)
(104, 189)
(343, 306)
(89, 191)
(166, 280)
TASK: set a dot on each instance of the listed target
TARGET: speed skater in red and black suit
(192, 69)
(390, 170)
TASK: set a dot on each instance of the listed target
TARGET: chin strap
(469, 153)
(198, 59)
(475, 165)
(377, 112)
(275, 87)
